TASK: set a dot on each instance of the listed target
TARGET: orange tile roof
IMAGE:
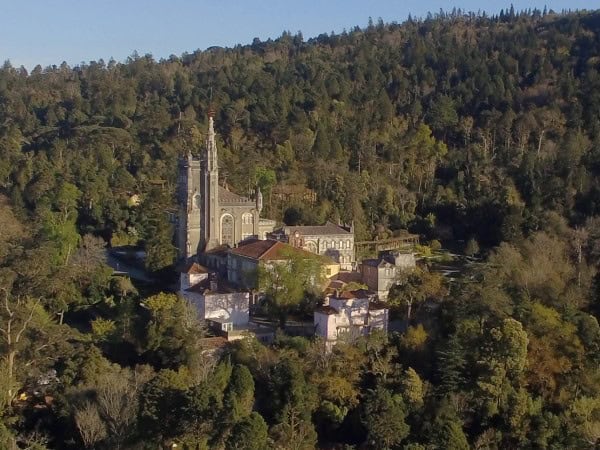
(269, 250)
(193, 268)
(253, 249)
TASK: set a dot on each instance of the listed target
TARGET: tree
(414, 287)
(472, 247)
(29, 341)
(90, 425)
(265, 178)
(171, 330)
(383, 417)
(451, 363)
(162, 412)
(239, 396)
(251, 433)
(117, 399)
(502, 363)
(584, 417)
(285, 282)
(413, 389)
(295, 432)
(443, 114)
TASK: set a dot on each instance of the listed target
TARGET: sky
(49, 32)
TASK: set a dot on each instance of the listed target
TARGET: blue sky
(51, 31)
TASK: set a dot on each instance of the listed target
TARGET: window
(227, 230)
(247, 219)
(348, 243)
(312, 247)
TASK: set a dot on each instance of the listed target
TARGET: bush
(435, 245)
(472, 247)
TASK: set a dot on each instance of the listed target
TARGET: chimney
(213, 285)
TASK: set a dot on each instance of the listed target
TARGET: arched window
(247, 219)
(348, 243)
(197, 200)
(311, 247)
(227, 230)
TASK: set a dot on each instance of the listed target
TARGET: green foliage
(239, 395)
(102, 329)
(415, 286)
(249, 434)
(472, 247)
(384, 416)
(478, 131)
(162, 404)
(286, 282)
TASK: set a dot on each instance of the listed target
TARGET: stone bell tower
(189, 199)
(210, 193)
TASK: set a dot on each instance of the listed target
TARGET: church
(211, 216)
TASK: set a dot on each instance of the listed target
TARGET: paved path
(122, 268)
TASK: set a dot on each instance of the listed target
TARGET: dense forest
(479, 132)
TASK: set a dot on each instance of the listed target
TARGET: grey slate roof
(231, 198)
(380, 262)
(329, 229)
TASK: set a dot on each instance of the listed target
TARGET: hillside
(479, 132)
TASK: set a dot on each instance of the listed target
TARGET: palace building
(334, 241)
(209, 214)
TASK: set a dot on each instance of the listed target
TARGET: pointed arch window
(227, 230)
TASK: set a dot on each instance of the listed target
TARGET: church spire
(210, 220)
(211, 145)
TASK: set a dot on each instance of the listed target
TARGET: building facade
(334, 241)
(209, 214)
(381, 273)
(350, 315)
(216, 301)
(243, 262)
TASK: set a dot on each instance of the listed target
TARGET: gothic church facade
(209, 214)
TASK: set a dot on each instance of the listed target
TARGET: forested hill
(480, 132)
(457, 126)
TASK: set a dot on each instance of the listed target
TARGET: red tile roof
(193, 268)
(270, 250)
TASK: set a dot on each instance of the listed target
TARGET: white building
(349, 315)
(214, 300)
(191, 273)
